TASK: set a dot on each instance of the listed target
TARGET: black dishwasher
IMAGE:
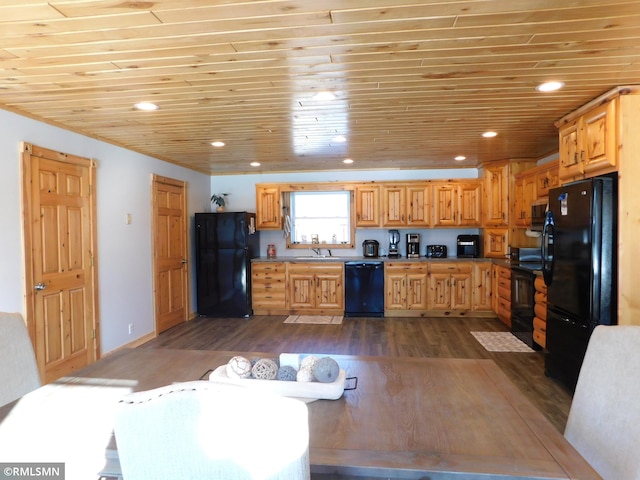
(364, 289)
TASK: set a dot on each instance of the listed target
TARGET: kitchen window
(320, 219)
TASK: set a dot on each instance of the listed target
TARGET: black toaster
(436, 251)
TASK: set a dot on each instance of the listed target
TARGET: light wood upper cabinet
(457, 204)
(394, 205)
(496, 195)
(525, 194)
(496, 242)
(268, 208)
(546, 179)
(406, 205)
(588, 144)
(367, 205)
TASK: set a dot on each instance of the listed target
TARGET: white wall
(124, 251)
(242, 196)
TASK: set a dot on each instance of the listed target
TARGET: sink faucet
(318, 251)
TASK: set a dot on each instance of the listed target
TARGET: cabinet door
(301, 290)
(329, 290)
(545, 181)
(395, 290)
(393, 206)
(496, 242)
(481, 291)
(439, 291)
(367, 206)
(470, 204)
(445, 205)
(461, 291)
(416, 291)
(268, 208)
(525, 194)
(496, 195)
(570, 164)
(599, 138)
(418, 206)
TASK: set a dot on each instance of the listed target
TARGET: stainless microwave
(538, 214)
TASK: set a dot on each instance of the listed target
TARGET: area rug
(319, 319)
(501, 342)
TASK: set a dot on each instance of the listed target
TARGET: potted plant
(219, 200)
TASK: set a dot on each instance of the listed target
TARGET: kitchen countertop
(338, 258)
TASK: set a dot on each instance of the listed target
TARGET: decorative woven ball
(326, 370)
(265, 369)
(305, 375)
(239, 367)
(308, 362)
(287, 374)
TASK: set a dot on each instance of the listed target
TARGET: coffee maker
(394, 239)
(413, 245)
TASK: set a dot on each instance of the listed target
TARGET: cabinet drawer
(504, 273)
(504, 293)
(450, 267)
(406, 267)
(504, 283)
(504, 304)
(267, 269)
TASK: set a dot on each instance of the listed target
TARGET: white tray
(305, 391)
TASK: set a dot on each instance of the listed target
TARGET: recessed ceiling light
(489, 134)
(340, 138)
(324, 96)
(347, 160)
(549, 86)
(217, 144)
(459, 158)
(146, 106)
(255, 164)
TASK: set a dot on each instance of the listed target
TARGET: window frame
(321, 188)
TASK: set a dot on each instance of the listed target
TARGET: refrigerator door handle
(546, 248)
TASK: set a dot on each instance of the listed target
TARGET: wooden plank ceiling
(415, 82)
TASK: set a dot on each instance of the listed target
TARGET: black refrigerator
(225, 245)
(579, 250)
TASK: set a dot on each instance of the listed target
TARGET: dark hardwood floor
(392, 337)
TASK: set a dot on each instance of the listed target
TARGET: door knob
(40, 286)
(184, 260)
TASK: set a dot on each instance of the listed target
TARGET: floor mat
(320, 319)
(501, 342)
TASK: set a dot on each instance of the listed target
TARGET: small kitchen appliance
(394, 240)
(436, 251)
(468, 246)
(370, 248)
(413, 245)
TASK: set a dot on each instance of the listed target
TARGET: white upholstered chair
(604, 420)
(18, 368)
(203, 430)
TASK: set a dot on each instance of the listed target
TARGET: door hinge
(93, 334)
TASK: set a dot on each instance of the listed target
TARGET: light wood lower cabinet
(413, 289)
(540, 310)
(269, 288)
(315, 288)
(502, 276)
(405, 286)
(450, 287)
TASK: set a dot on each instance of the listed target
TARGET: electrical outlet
(131, 329)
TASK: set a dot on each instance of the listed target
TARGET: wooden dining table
(409, 418)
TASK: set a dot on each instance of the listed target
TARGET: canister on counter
(271, 251)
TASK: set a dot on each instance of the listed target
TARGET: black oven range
(525, 264)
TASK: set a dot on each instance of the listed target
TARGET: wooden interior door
(60, 253)
(170, 253)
